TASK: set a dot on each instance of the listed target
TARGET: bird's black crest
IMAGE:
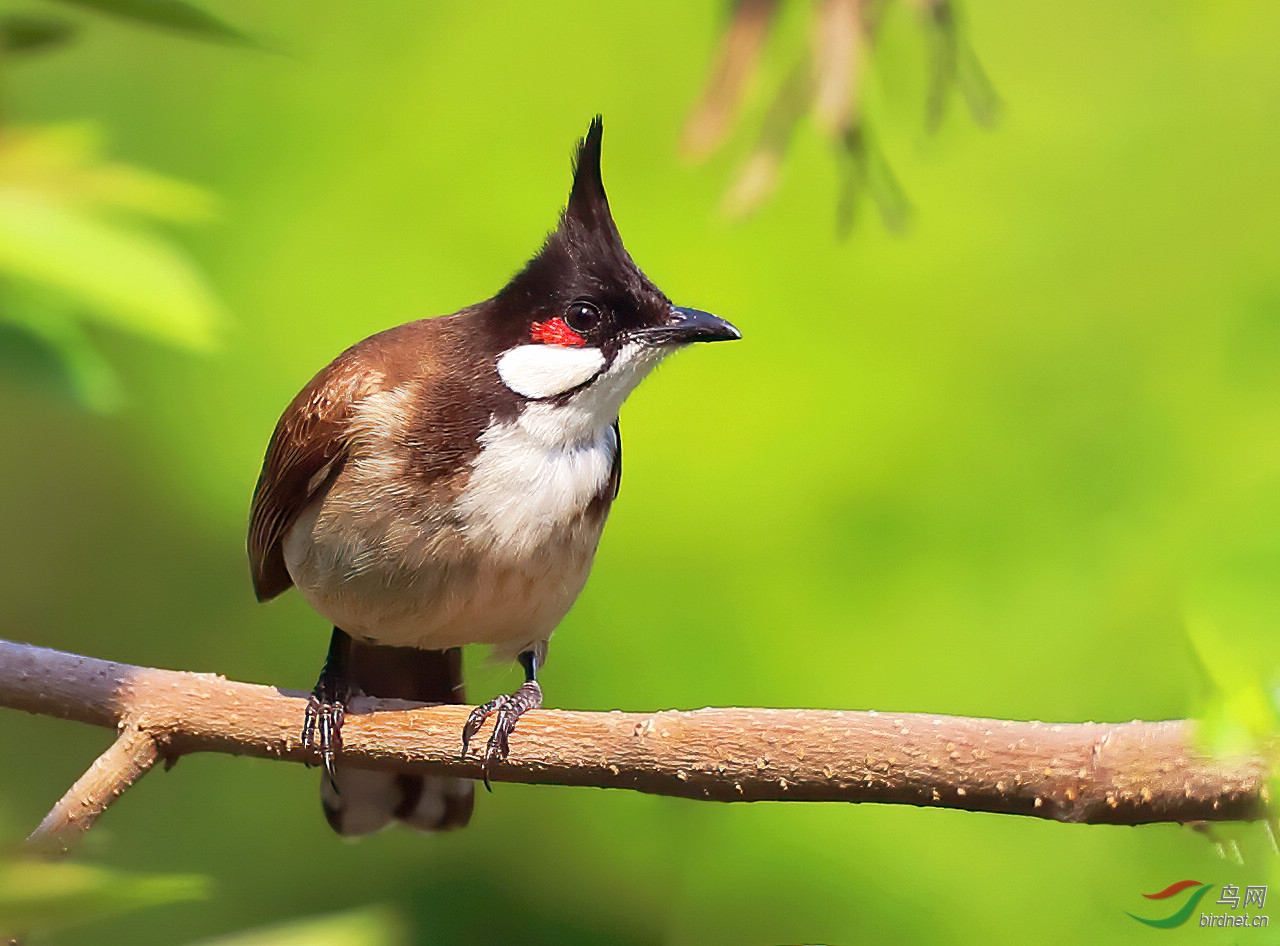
(587, 201)
(583, 258)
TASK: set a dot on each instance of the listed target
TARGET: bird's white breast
(501, 565)
(529, 481)
(499, 562)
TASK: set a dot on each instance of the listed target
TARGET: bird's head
(581, 316)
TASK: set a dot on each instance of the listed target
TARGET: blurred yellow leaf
(61, 228)
(369, 927)
(171, 15)
(39, 894)
(64, 162)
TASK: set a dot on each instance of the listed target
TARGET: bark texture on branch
(1126, 773)
(129, 758)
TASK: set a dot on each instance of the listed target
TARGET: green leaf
(64, 162)
(20, 33)
(369, 927)
(42, 343)
(30, 360)
(39, 894)
(941, 33)
(863, 167)
(952, 60)
(1239, 714)
(125, 277)
(63, 226)
(891, 200)
(979, 94)
(170, 15)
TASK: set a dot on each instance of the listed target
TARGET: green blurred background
(998, 465)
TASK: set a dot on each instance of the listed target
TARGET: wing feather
(307, 449)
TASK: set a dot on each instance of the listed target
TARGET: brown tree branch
(128, 759)
(1126, 773)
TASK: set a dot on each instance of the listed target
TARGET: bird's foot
(509, 708)
(322, 726)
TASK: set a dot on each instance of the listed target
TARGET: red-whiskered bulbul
(446, 482)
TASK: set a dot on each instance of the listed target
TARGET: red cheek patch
(557, 332)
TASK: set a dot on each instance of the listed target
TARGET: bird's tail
(364, 801)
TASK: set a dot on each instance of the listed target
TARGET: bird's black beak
(684, 326)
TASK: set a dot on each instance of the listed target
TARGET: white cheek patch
(539, 371)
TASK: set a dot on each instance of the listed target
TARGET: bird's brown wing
(306, 451)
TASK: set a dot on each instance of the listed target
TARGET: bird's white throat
(541, 371)
(538, 472)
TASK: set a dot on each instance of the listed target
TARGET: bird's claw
(322, 729)
(508, 709)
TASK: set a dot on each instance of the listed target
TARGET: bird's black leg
(509, 708)
(322, 726)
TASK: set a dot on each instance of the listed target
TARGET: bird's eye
(582, 316)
